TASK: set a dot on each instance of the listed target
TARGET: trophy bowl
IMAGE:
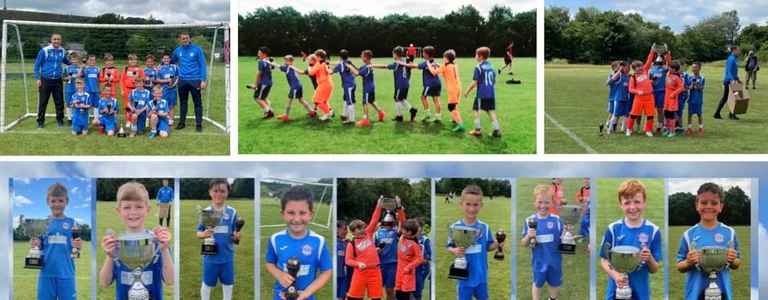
(713, 259)
(625, 259)
(34, 229)
(136, 251)
(660, 49)
(209, 218)
(570, 215)
(388, 203)
(462, 237)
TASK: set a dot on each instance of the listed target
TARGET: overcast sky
(676, 14)
(691, 185)
(169, 11)
(379, 8)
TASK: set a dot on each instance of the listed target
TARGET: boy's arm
(168, 271)
(435, 70)
(353, 69)
(493, 244)
(648, 60)
(418, 259)
(632, 86)
(106, 273)
(373, 223)
(379, 66)
(326, 270)
(285, 279)
(470, 88)
(349, 259)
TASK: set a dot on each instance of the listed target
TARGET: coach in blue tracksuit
(192, 76)
(731, 74)
(48, 74)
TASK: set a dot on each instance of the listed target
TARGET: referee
(48, 74)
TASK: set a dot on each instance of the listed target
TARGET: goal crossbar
(327, 189)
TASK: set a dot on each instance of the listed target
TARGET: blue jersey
(191, 61)
(659, 76)
(731, 69)
(150, 75)
(426, 252)
(612, 87)
(486, 80)
(165, 195)
(619, 88)
(265, 72)
(620, 234)
(402, 75)
(139, 98)
(109, 104)
(72, 71)
(48, 62)
(426, 75)
(697, 89)
(222, 234)
(290, 75)
(91, 77)
(686, 84)
(369, 85)
(152, 277)
(168, 71)
(476, 255)
(311, 250)
(158, 106)
(80, 99)
(341, 266)
(546, 254)
(698, 237)
(386, 240)
(347, 78)
(56, 247)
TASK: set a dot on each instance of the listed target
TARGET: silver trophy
(570, 215)
(209, 218)
(462, 237)
(136, 251)
(625, 260)
(389, 205)
(660, 50)
(75, 235)
(712, 261)
(34, 229)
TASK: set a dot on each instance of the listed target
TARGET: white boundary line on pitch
(44, 132)
(570, 134)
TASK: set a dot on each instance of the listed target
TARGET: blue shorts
(619, 108)
(680, 107)
(262, 91)
(421, 277)
(141, 121)
(401, 94)
(170, 96)
(433, 91)
(55, 289)
(349, 95)
(658, 97)
(552, 275)
(480, 292)
(343, 286)
(369, 97)
(296, 93)
(213, 273)
(388, 273)
(79, 123)
(487, 104)
(162, 125)
(108, 122)
(694, 108)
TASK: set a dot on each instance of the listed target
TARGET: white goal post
(219, 30)
(324, 198)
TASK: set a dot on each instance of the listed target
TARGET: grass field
(270, 215)
(574, 266)
(107, 218)
(496, 214)
(192, 261)
(608, 211)
(516, 107)
(739, 278)
(576, 98)
(25, 280)
(26, 139)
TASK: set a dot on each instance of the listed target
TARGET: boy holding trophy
(631, 247)
(297, 257)
(469, 240)
(708, 250)
(542, 232)
(136, 252)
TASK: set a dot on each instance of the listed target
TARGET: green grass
(26, 139)
(576, 97)
(609, 211)
(516, 107)
(270, 215)
(739, 278)
(192, 262)
(574, 266)
(107, 218)
(25, 280)
(496, 214)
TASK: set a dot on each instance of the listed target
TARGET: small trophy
(121, 132)
(136, 252)
(570, 214)
(462, 237)
(239, 223)
(713, 260)
(210, 218)
(34, 229)
(532, 225)
(292, 266)
(625, 260)
(500, 238)
(75, 235)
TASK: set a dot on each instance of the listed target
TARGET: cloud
(20, 201)
(691, 185)
(169, 11)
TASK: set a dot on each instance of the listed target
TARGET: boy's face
(586, 181)
(289, 62)
(261, 54)
(91, 61)
(409, 234)
(165, 182)
(133, 212)
(359, 233)
(109, 62)
(106, 92)
(218, 193)
(297, 215)
(79, 86)
(341, 232)
(471, 204)
(149, 62)
(132, 62)
(365, 59)
(166, 59)
(477, 57)
(157, 94)
(633, 206)
(57, 204)
(709, 206)
(696, 69)
(542, 204)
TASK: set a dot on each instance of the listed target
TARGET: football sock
(227, 291)
(288, 107)
(496, 125)
(477, 123)
(205, 292)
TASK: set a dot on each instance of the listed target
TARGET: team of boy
(91, 91)
(484, 79)
(658, 88)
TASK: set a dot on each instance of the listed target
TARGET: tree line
(286, 31)
(357, 197)
(682, 208)
(189, 188)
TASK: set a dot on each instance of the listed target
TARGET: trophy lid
(713, 259)
(136, 250)
(625, 259)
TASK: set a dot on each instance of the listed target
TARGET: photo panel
(473, 214)
(384, 225)
(554, 258)
(128, 225)
(217, 237)
(52, 224)
(296, 236)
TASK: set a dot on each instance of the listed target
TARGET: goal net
(22, 40)
(273, 189)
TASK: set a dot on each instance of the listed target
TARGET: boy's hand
(77, 243)
(285, 279)
(362, 266)
(35, 243)
(109, 243)
(163, 236)
(207, 233)
(397, 200)
(692, 258)
(39, 83)
(645, 255)
(236, 235)
(304, 296)
(731, 255)
(531, 233)
(458, 251)
(620, 279)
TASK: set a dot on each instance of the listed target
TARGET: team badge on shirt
(65, 226)
(306, 250)
(719, 238)
(550, 225)
(643, 238)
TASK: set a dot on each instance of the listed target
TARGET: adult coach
(193, 74)
(164, 200)
(48, 74)
(731, 74)
(411, 53)
(751, 65)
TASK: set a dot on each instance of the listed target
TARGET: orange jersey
(452, 84)
(557, 199)
(110, 76)
(409, 257)
(363, 250)
(672, 89)
(324, 86)
(130, 75)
